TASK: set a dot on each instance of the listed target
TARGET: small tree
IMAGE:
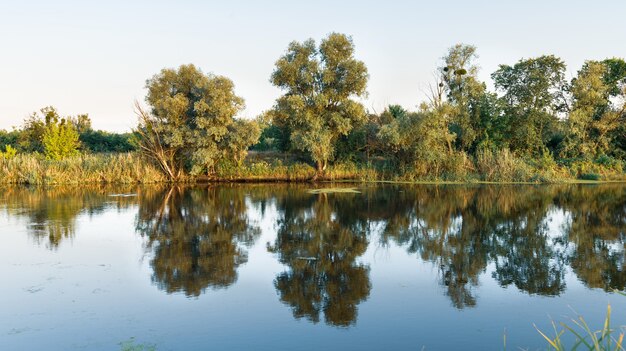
(241, 135)
(60, 138)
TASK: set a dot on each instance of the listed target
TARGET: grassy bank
(126, 168)
(91, 168)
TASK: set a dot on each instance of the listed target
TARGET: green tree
(192, 115)
(60, 138)
(31, 136)
(596, 115)
(320, 85)
(82, 123)
(534, 94)
(464, 91)
(420, 140)
(241, 135)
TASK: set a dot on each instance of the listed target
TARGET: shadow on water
(198, 237)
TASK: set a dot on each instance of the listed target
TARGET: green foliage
(502, 166)
(536, 127)
(60, 139)
(192, 116)
(603, 339)
(35, 169)
(589, 176)
(9, 152)
(594, 118)
(420, 142)
(31, 136)
(272, 138)
(9, 138)
(101, 141)
(241, 135)
(320, 85)
(533, 95)
(464, 92)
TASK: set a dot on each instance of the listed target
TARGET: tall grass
(290, 172)
(585, 338)
(91, 168)
(128, 168)
(501, 166)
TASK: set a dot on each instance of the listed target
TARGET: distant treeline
(30, 137)
(536, 126)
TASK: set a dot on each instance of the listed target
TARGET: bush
(9, 152)
(589, 176)
(501, 166)
(60, 140)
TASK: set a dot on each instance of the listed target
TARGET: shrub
(589, 176)
(60, 140)
(9, 152)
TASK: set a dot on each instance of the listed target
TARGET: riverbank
(129, 168)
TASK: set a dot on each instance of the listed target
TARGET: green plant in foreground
(586, 339)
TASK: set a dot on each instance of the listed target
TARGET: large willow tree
(192, 122)
(320, 85)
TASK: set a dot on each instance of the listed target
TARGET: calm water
(267, 267)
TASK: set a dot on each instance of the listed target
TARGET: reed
(35, 169)
(129, 168)
(604, 339)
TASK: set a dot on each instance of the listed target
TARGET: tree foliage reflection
(197, 236)
(320, 246)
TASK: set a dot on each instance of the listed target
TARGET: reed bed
(121, 168)
(129, 168)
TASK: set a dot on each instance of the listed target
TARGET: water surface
(267, 267)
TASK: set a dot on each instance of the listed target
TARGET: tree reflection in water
(320, 245)
(51, 212)
(197, 236)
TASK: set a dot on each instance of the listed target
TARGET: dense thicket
(535, 124)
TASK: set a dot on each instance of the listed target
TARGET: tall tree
(534, 92)
(596, 113)
(320, 84)
(464, 91)
(190, 120)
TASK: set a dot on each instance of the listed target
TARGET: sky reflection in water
(275, 267)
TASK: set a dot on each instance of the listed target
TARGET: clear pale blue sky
(94, 56)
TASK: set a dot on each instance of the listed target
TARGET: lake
(276, 267)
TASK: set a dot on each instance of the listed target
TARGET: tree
(191, 113)
(320, 85)
(534, 94)
(31, 136)
(464, 92)
(60, 138)
(420, 140)
(596, 115)
(241, 135)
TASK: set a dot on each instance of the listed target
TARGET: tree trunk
(320, 167)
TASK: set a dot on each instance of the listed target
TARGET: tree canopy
(192, 114)
(320, 85)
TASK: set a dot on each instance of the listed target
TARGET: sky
(95, 56)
